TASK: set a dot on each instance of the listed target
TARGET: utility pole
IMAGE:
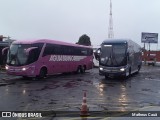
(110, 28)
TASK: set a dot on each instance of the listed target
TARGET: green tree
(84, 40)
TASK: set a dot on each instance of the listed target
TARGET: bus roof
(115, 41)
(110, 41)
(48, 41)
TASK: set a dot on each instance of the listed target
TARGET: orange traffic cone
(84, 108)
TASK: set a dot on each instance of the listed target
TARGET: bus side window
(90, 52)
(78, 51)
(84, 51)
(49, 50)
(33, 56)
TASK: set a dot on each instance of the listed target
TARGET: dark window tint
(38, 50)
(66, 50)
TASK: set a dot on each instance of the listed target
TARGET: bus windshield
(17, 54)
(113, 55)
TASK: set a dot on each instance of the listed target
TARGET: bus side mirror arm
(27, 51)
(4, 49)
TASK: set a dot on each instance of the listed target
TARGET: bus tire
(82, 69)
(43, 72)
(25, 77)
(77, 71)
(139, 67)
(125, 75)
(106, 76)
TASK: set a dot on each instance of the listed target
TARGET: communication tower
(110, 28)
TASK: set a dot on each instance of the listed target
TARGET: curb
(11, 78)
(3, 84)
(3, 72)
(8, 78)
(5, 76)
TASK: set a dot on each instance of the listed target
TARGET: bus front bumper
(21, 71)
(113, 71)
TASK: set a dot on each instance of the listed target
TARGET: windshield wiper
(108, 59)
(13, 57)
(113, 58)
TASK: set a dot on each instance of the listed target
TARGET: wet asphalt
(65, 92)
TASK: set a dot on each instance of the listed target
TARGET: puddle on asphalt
(145, 89)
(71, 84)
(48, 87)
(6, 83)
(77, 82)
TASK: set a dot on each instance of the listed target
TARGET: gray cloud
(67, 20)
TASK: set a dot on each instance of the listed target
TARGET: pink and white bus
(38, 58)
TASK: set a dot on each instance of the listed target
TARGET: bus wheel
(25, 77)
(82, 69)
(139, 69)
(125, 75)
(77, 71)
(43, 73)
(106, 76)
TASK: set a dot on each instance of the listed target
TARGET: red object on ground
(84, 108)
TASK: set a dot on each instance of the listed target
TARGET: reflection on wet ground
(65, 92)
(128, 94)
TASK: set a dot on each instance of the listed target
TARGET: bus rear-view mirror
(5, 50)
(28, 50)
(97, 53)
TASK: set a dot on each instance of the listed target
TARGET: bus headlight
(24, 69)
(122, 69)
(101, 69)
(6, 67)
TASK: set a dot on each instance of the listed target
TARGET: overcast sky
(67, 20)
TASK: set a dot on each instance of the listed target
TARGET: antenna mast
(110, 28)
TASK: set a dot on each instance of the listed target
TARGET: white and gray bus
(119, 57)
